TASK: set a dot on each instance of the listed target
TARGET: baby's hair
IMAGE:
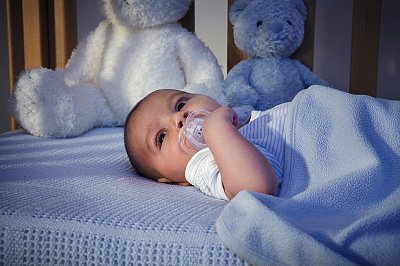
(129, 151)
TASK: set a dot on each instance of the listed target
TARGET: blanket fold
(340, 199)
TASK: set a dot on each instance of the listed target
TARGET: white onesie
(265, 131)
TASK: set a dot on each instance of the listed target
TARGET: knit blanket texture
(77, 201)
(339, 203)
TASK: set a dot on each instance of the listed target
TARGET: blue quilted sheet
(77, 201)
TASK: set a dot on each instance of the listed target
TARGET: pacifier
(191, 137)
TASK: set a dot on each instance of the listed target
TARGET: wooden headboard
(44, 33)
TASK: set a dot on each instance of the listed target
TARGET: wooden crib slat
(15, 39)
(35, 32)
(305, 53)
(234, 54)
(62, 31)
(15, 44)
(50, 32)
(365, 47)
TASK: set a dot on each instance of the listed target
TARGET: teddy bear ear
(237, 7)
(301, 7)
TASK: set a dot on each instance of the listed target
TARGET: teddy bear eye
(259, 23)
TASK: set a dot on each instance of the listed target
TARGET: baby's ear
(167, 181)
(185, 184)
(164, 180)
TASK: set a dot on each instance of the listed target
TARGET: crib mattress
(78, 201)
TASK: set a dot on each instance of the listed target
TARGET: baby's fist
(222, 116)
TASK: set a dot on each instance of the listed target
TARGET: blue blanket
(339, 203)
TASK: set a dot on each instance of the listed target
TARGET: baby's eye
(180, 104)
(160, 138)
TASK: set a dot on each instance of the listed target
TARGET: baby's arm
(242, 166)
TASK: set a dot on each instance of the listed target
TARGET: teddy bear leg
(44, 106)
(92, 107)
(239, 93)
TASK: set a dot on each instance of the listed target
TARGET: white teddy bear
(139, 48)
(268, 31)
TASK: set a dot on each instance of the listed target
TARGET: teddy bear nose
(259, 23)
(276, 27)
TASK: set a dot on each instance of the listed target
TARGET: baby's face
(155, 128)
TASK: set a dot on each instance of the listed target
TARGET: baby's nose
(180, 119)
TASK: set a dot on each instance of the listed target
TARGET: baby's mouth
(191, 137)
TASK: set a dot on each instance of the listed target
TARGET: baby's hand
(220, 118)
(235, 156)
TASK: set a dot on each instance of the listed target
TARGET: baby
(237, 157)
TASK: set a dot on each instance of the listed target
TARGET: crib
(78, 201)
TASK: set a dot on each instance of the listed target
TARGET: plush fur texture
(268, 31)
(139, 48)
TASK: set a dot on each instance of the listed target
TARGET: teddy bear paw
(42, 104)
(244, 112)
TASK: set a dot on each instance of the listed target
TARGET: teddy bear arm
(86, 60)
(238, 87)
(198, 63)
(308, 77)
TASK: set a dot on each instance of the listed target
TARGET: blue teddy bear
(268, 31)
